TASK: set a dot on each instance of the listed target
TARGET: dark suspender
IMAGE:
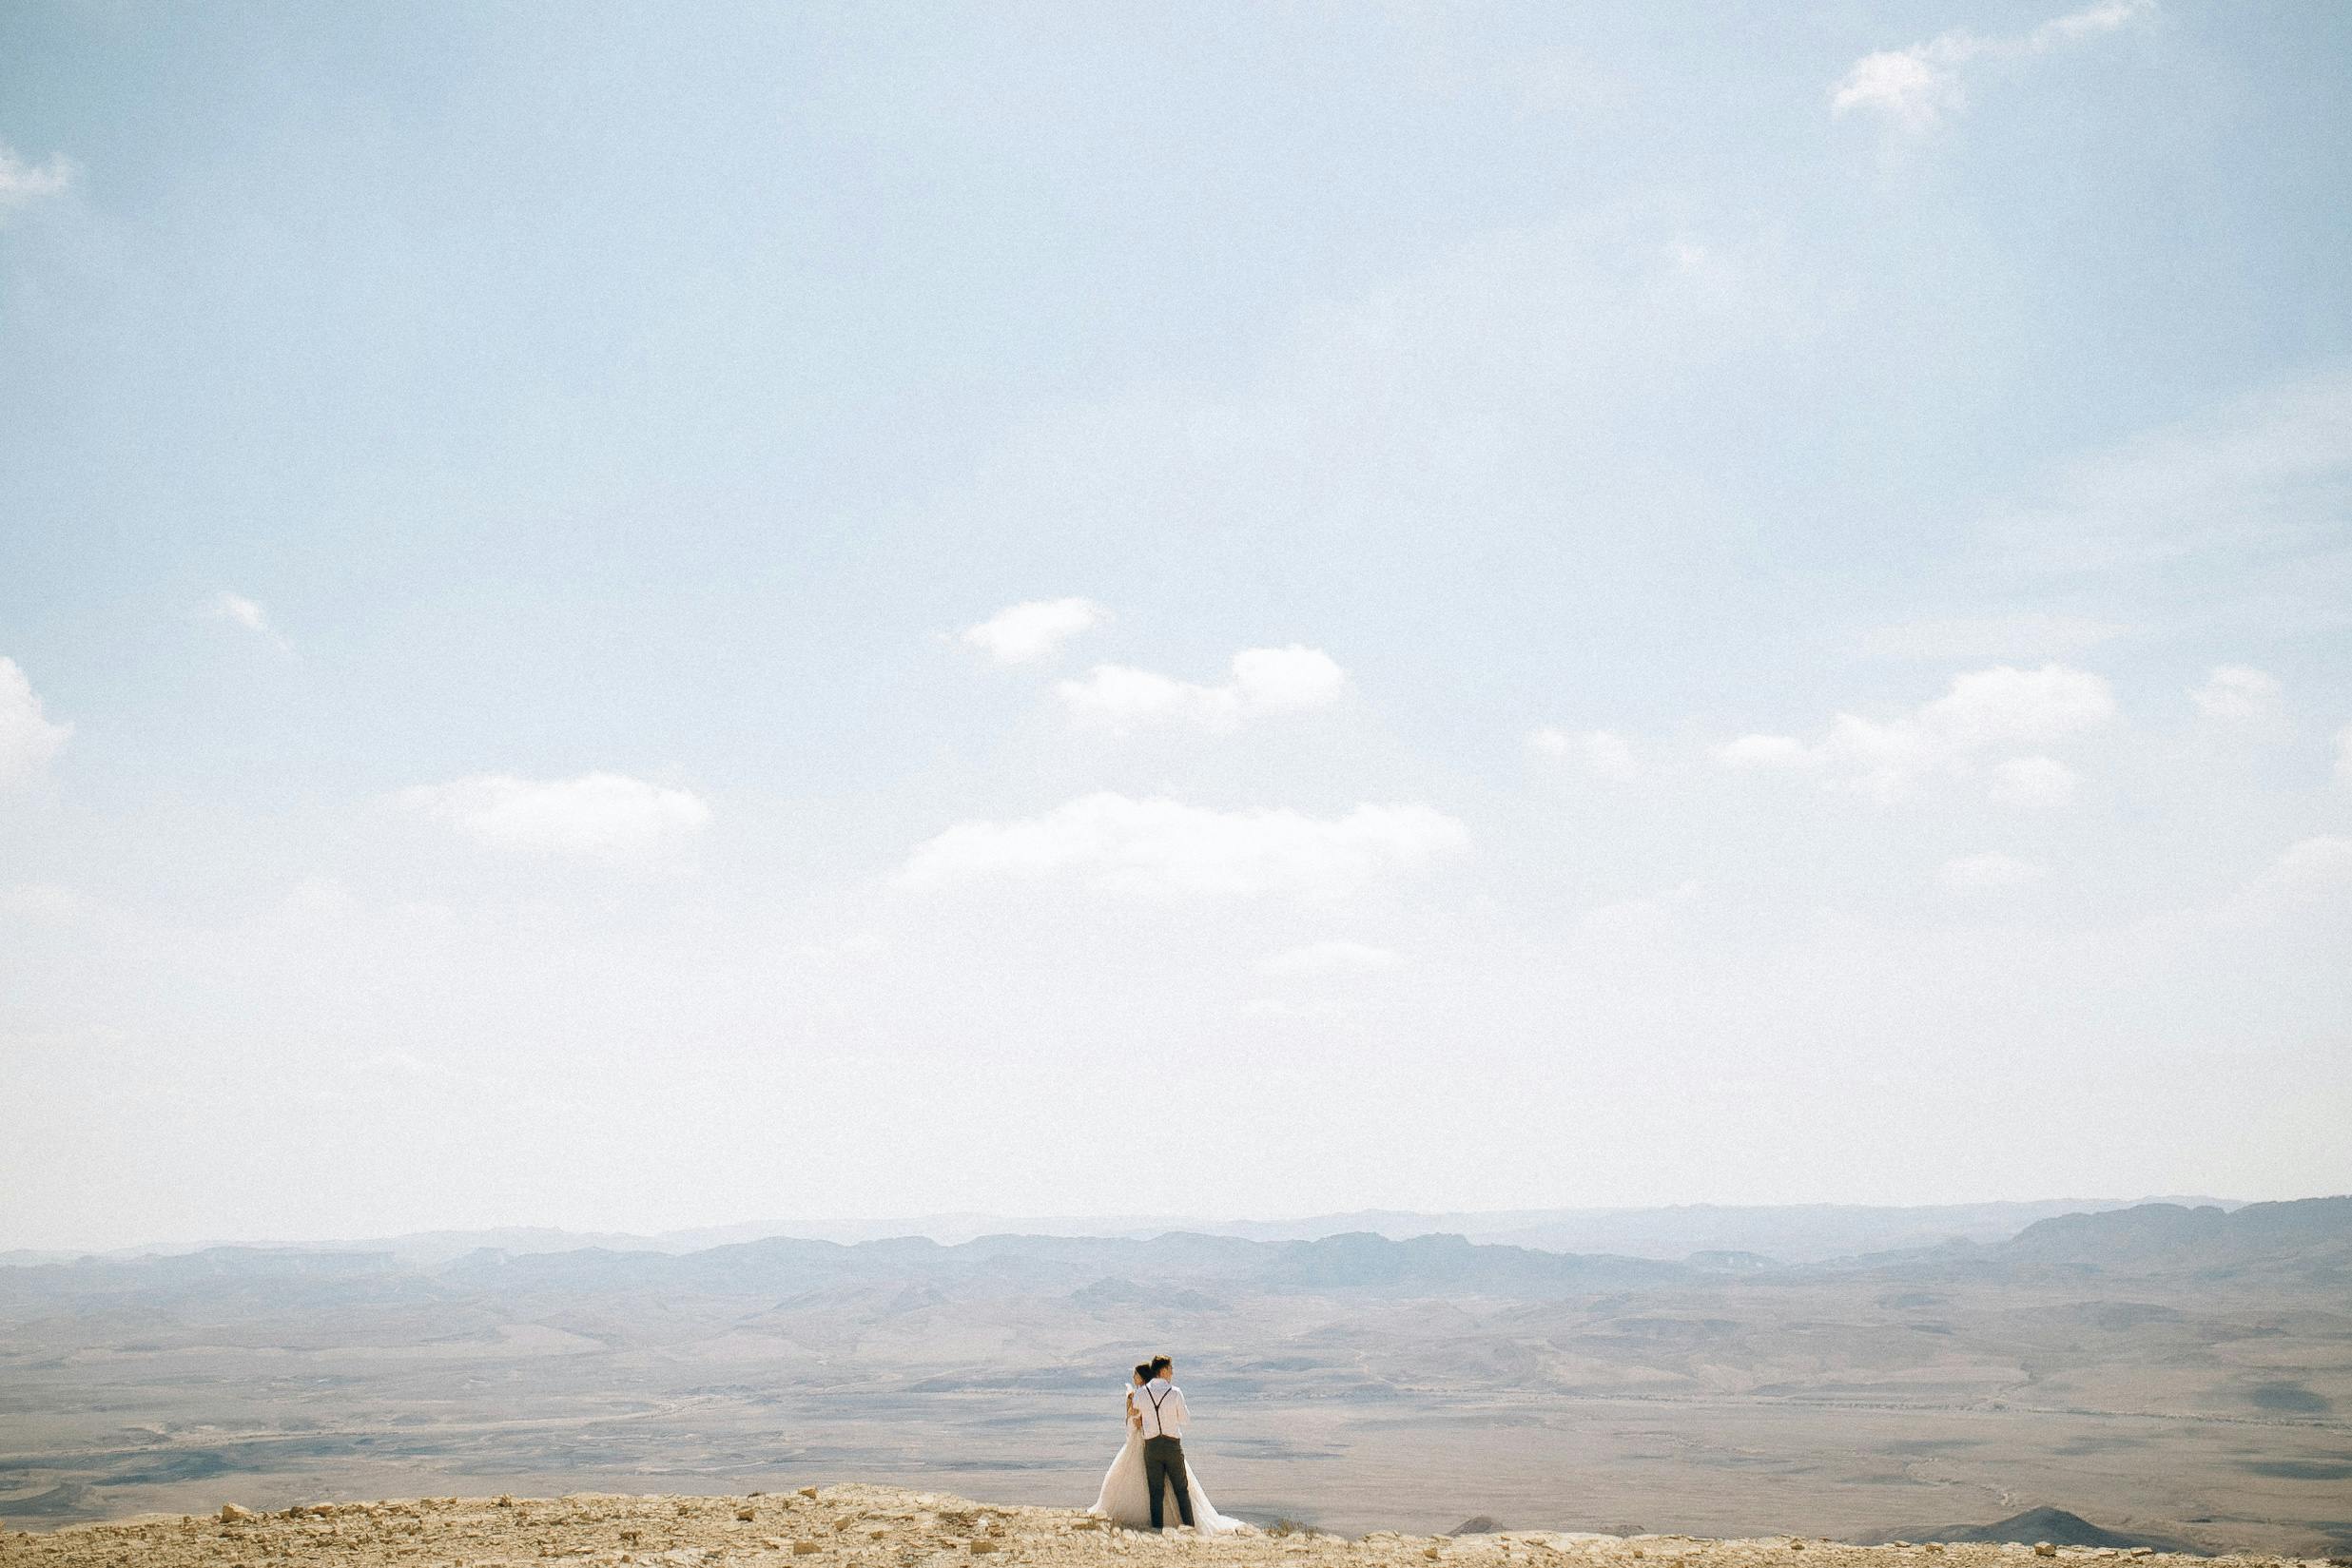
(1157, 1403)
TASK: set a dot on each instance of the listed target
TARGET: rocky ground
(880, 1527)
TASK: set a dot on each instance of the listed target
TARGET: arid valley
(2179, 1375)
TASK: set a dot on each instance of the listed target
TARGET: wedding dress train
(1127, 1501)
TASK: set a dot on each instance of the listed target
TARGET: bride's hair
(1143, 1371)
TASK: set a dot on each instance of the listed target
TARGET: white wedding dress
(1127, 1501)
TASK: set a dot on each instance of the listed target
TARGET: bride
(1125, 1499)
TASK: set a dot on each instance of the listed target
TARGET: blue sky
(663, 617)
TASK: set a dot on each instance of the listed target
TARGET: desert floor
(883, 1527)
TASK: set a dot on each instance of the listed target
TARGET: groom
(1160, 1403)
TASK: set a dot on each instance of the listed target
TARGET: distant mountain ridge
(1789, 1233)
(2307, 1240)
(1434, 1265)
(1784, 1233)
(2310, 1237)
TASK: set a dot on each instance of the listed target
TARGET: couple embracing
(1150, 1468)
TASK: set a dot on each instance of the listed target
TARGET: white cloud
(1159, 845)
(1914, 87)
(1283, 679)
(248, 613)
(2007, 705)
(1335, 956)
(1996, 709)
(2308, 872)
(21, 181)
(1989, 873)
(236, 606)
(2312, 864)
(1602, 751)
(1265, 680)
(28, 739)
(2034, 784)
(1904, 84)
(1122, 695)
(602, 815)
(1025, 633)
(2237, 692)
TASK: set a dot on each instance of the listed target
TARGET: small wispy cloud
(21, 181)
(596, 816)
(1033, 629)
(1160, 846)
(27, 738)
(1915, 88)
(1265, 680)
(1601, 751)
(1986, 711)
(240, 610)
(2237, 693)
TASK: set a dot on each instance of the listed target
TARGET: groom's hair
(1159, 1364)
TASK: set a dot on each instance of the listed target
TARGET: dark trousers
(1163, 1459)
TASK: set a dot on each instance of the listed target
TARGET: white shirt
(1162, 1406)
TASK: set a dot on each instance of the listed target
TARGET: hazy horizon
(625, 614)
(953, 1227)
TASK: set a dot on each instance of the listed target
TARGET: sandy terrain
(883, 1527)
